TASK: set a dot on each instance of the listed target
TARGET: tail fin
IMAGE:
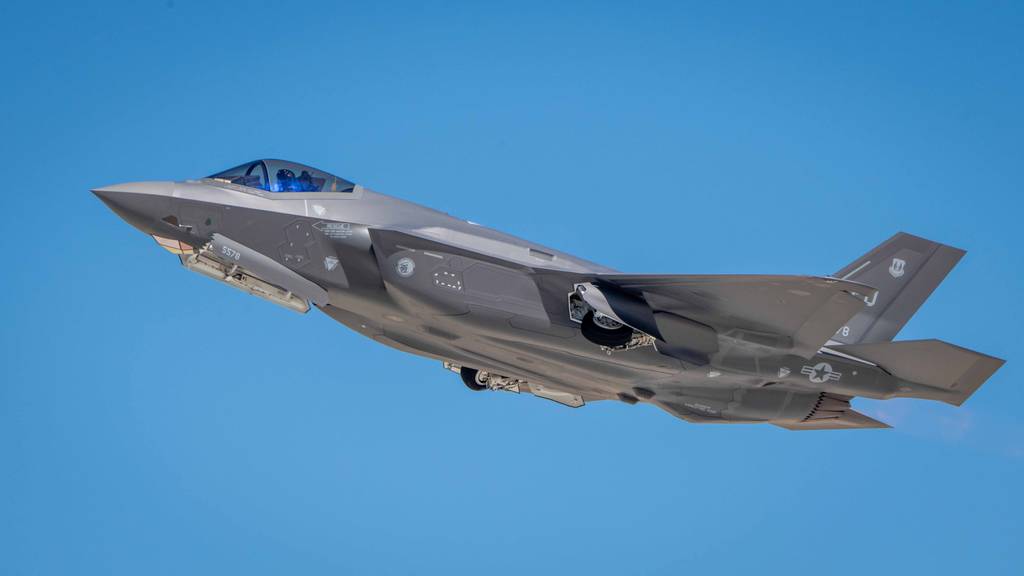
(930, 369)
(905, 269)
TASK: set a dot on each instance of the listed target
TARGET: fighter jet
(510, 315)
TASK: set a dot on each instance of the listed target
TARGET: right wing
(786, 409)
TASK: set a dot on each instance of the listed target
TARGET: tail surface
(905, 269)
(930, 369)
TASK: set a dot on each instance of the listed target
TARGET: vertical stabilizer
(905, 269)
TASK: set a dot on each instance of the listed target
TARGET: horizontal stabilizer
(832, 412)
(930, 369)
(848, 420)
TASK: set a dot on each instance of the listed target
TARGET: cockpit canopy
(282, 176)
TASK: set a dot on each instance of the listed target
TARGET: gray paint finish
(786, 350)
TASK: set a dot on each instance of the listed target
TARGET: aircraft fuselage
(427, 283)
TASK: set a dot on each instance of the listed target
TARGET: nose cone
(141, 204)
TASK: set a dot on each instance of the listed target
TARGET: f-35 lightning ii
(507, 314)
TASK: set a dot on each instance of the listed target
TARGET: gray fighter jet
(507, 314)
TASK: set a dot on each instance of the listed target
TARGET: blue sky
(152, 421)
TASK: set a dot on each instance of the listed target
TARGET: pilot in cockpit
(306, 183)
(287, 182)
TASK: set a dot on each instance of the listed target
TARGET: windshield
(282, 176)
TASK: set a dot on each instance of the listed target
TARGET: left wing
(794, 313)
(799, 313)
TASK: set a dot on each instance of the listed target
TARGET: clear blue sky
(154, 422)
